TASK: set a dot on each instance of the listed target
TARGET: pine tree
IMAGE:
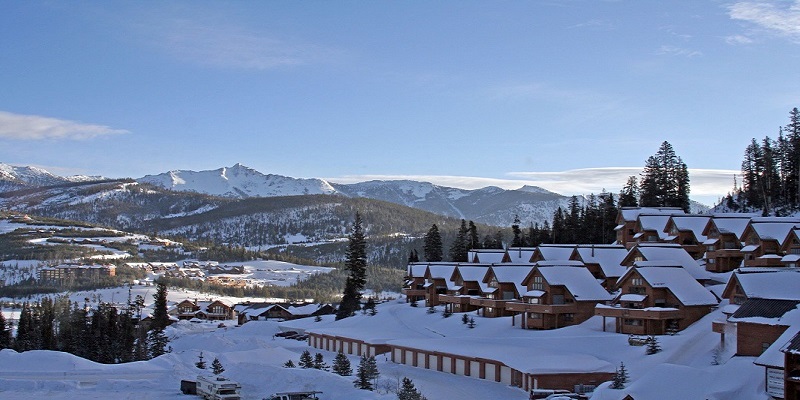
(356, 265)
(413, 256)
(366, 373)
(474, 238)
(200, 362)
(517, 241)
(341, 365)
(288, 364)
(629, 196)
(665, 180)
(5, 333)
(319, 362)
(653, 346)
(160, 316)
(620, 377)
(157, 343)
(305, 360)
(464, 319)
(459, 249)
(408, 391)
(432, 248)
(471, 323)
(216, 367)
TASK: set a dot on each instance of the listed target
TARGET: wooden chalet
(603, 261)
(657, 300)
(468, 279)
(437, 281)
(791, 249)
(627, 219)
(669, 253)
(791, 377)
(723, 244)
(687, 231)
(414, 286)
(503, 284)
(558, 295)
(651, 228)
(763, 239)
(216, 310)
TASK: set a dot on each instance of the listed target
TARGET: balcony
(482, 302)
(542, 308)
(414, 292)
(651, 313)
(455, 299)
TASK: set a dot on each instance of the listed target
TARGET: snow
(694, 223)
(512, 274)
(520, 254)
(773, 230)
(680, 283)
(578, 281)
(778, 285)
(253, 357)
(555, 252)
(608, 257)
(673, 254)
(655, 223)
(631, 214)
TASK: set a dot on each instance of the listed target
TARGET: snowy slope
(237, 181)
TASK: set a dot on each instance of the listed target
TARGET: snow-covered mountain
(16, 177)
(237, 181)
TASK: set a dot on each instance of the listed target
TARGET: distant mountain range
(490, 205)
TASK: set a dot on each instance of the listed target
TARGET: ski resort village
(696, 306)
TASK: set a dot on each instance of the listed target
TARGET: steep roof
(631, 214)
(578, 281)
(441, 271)
(673, 254)
(521, 254)
(778, 285)
(556, 252)
(694, 223)
(473, 273)
(658, 223)
(733, 225)
(608, 257)
(487, 255)
(777, 231)
(678, 281)
(512, 273)
(764, 308)
(417, 269)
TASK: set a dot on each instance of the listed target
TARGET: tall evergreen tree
(160, 316)
(216, 367)
(474, 238)
(156, 343)
(432, 249)
(341, 365)
(620, 377)
(629, 196)
(366, 373)
(356, 266)
(5, 333)
(517, 240)
(665, 180)
(459, 249)
(306, 361)
(408, 391)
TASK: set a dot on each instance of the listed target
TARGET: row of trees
(771, 173)
(663, 183)
(106, 334)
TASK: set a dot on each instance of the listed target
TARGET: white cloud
(34, 127)
(677, 51)
(231, 46)
(773, 16)
(738, 39)
(707, 185)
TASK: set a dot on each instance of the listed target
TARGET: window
(711, 247)
(713, 233)
(493, 282)
(508, 295)
(637, 281)
(729, 245)
(568, 317)
(633, 322)
(652, 238)
(538, 283)
(636, 290)
(489, 309)
(638, 258)
(558, 299)
(794, 250)
(533, 300)
(535, 315)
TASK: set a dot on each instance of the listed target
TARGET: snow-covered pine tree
(408, 391)
(288, 364)
(653, 346)
(319, 362)
(356, 265)
(200, 362)
(366, 373)
(432, 248)
(305, 360)
(620, 377)
(341, 365)
(216, 367)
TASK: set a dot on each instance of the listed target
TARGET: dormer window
(493, 282)
(713, 233)
(538, 283)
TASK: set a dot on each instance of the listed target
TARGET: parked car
(286, 334)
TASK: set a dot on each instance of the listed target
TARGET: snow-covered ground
(252, 356)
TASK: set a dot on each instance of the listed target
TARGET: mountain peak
(535, 189)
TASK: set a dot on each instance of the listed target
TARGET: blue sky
(569, 95)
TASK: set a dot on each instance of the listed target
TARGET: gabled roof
(630, 214)
(440, 271)
(793, 346)
(764, 308)
(671, 254)
(776, 231)
(487, 255)
(657, 223)
(521, 254)
(512, 273)
(417, 270)
(777, 285)
(473, 273)
(729, 223)
(577, 280)
(693, 223)
(556, 252)
(685, 288)
(608, 257)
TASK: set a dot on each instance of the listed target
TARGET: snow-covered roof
(578, 281)
(750, 248)
(694, 223)
(685, 288)
(631, 214)
(779, 285)
(489, 256)
(733, 225)
(307, 309)
(654, 223)
(521, 254)
(512, 274)
(556, 252)
(673, 254)
(534, 293)
(441, 271)
(773, 230)
(632, 297)
(417, 270)
(608, 257)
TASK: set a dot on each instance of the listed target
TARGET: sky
(570, 95)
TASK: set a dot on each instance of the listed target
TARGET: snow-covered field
(252, 356)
